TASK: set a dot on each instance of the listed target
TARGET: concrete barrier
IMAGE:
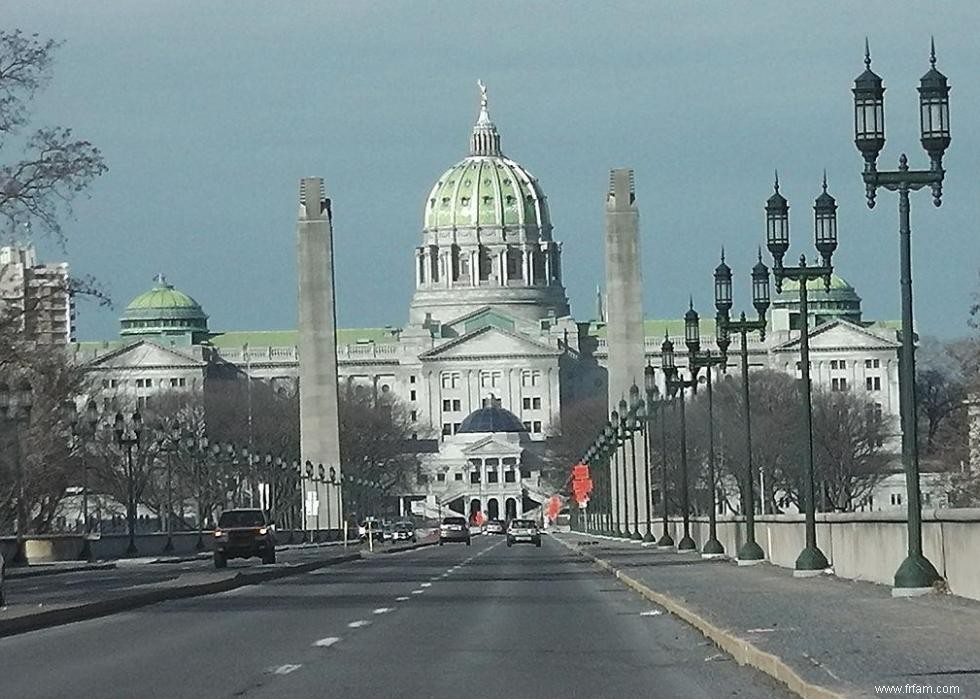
(865, 546)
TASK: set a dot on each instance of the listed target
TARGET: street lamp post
(198, 449)
(706, 360)
(612, 444)
(340, 514)
(79, 432)
(750, 552)
(128, 436)
(666, 541)
(811, 560)
(916, 574)
(308, 470)
(169, 444)
(16, 403)
(635, 419)
(650, 389)
(675, 384)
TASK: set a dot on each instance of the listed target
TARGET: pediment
(488, 342)
(145, 354)
(488, 446)
(481, 318)
(843, 335)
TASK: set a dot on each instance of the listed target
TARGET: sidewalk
(838, 637)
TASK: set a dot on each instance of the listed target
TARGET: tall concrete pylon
(625, 339)
(319, 416)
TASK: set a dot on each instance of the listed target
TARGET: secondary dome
(491, 419)
(163, 310)
(486, 189)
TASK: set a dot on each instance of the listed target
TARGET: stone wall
(865, 546)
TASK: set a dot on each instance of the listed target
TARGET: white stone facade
(38, 294)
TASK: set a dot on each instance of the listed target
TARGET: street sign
(554, 507)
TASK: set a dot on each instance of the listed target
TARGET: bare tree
(38, 185)
(580, 422)
(849, 456)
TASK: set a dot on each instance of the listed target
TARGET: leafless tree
(52, 167)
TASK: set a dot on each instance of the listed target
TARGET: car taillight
(264, 530)
(218, 533)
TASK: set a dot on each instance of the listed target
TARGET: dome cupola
(164, 311)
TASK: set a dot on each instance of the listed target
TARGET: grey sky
(208, 113)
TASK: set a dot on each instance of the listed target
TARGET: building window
(415, 415)
(536, 427)
(474, 476)
(525, 473)
(447, 429)
(510, 476)
(457, 405)
(493, 476)
(447, 405)
(490, 379)
(873, 383)
(411, 395)
(450, 379)
(838, 384)
(527, 403)
(441, 477)
(411, 379)
(530, 378)
(527, 425)
(536, 403)
(456, 427)
(872, 363)
(458, 477)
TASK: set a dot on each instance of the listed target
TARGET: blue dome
(493, 419)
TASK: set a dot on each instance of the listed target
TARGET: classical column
(526, 266)
(502, 261)
(475, 267)
(418, 267)
(546, 250)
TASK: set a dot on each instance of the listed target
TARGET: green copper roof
(486, 191)
(163, 310)
(290, 338)
(836, 282)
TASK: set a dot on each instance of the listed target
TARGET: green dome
(836, 283)
(163, 310)
(486, 191)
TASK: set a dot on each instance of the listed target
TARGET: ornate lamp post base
(665, 542)
(811, 562)
(648, 537)
(712, 549)
(637, 536)
(750, 554)
(687, 545)
(916, 576)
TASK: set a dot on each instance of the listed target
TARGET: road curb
(93, 610)
(18, 573)
(743, 651)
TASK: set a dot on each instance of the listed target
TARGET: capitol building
(490, 351)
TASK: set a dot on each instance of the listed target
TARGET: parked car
(494, 526)
(403, 531)
(523, 531)
(244, 533)
(454, 529)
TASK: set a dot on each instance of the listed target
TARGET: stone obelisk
(319, 419)
(624, 340)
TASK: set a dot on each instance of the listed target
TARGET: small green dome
(163, 310)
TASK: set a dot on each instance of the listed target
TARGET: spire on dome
(485, 139)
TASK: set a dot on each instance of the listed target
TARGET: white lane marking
(286, 669)
(359, 623)
(652, 612)
(428, 584)
(382, 610)
(417, 592)
(401, 599)
(326, 642)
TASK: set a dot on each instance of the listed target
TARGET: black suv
(244, 533)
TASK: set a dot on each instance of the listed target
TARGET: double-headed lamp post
(128, 434)
(675, 384)
(612, 444)
(916, 574)
(609, 446)
(698, 359)
(635, 422)
(15, 405)
(811, 560)
(651, 405)
(750, 552)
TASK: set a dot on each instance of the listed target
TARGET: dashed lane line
(327, 642)
(359, 623)
(403, 598)
(417, 592)
(286, 669)
(382, 610)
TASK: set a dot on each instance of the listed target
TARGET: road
(483, 620)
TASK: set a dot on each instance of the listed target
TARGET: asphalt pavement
(480, 620)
